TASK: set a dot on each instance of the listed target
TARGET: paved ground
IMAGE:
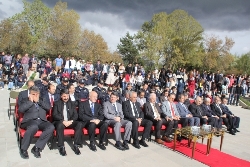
(154, 155)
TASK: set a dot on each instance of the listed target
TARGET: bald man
(91, 115)
(197, 111)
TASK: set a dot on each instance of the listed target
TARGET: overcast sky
(113, 18)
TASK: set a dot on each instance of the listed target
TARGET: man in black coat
(216, 108)
(34, 112)
(235, 120)
(132, 112)
(49, 96)
(154, 113)
(209, 113)
(65, 116)
(91, 115)
(196, 110)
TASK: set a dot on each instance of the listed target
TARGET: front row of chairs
(17, 117)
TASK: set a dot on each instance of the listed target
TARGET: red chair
(21, 131)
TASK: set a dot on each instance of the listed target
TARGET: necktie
(92, 108)
(219, 107)
(51, 100)
(135, 111)
(172, 110)
(65, 114)
(156, 111)
(37, 107)
(115, 108)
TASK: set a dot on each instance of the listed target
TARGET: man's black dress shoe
(143, 143)
(62, 151)
(119, 146)
(36, 151)
(76, 150)
(92, 146)
(125, 145)
(232, 132)
(101, 146)
(136, 144)
(236, 130)
(24, 154)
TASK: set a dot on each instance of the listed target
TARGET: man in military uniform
(100, 90)
(107, 95)
(42, 85)
(63, 85)
(81, 91)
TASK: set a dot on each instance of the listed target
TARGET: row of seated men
(129, 115)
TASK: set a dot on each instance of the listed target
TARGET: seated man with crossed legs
(115, 118)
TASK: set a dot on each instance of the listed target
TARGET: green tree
(242, 63)
(128, 49)
(64, 31)
(36, 15)
(217, 53)
(93, 47)
(172, 39)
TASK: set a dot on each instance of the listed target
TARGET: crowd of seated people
(77, 108)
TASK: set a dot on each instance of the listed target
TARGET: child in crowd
(11, 82)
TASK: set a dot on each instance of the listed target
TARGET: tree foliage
(64, 30)
(51, 31)
(127, 48)
(242, 64)
(217, 53)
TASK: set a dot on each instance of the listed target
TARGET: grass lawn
(245, 100)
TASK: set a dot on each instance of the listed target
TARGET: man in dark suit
(98, 68)
(196, 109)
(91, 115)
(216, 108)
(115, 118)
(34, 119)
(209, 113)
(132, 112)
(50, 97)
(25, 93)
(65, 116)
(154, 113)
(231, 117)
(72, 95)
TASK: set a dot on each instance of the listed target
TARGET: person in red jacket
(191, 84)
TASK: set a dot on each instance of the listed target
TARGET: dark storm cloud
(228, 15)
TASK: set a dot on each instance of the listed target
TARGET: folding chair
(13, 95)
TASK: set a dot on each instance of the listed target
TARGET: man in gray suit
(185, 113)
(169, 108)
(115, 118)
